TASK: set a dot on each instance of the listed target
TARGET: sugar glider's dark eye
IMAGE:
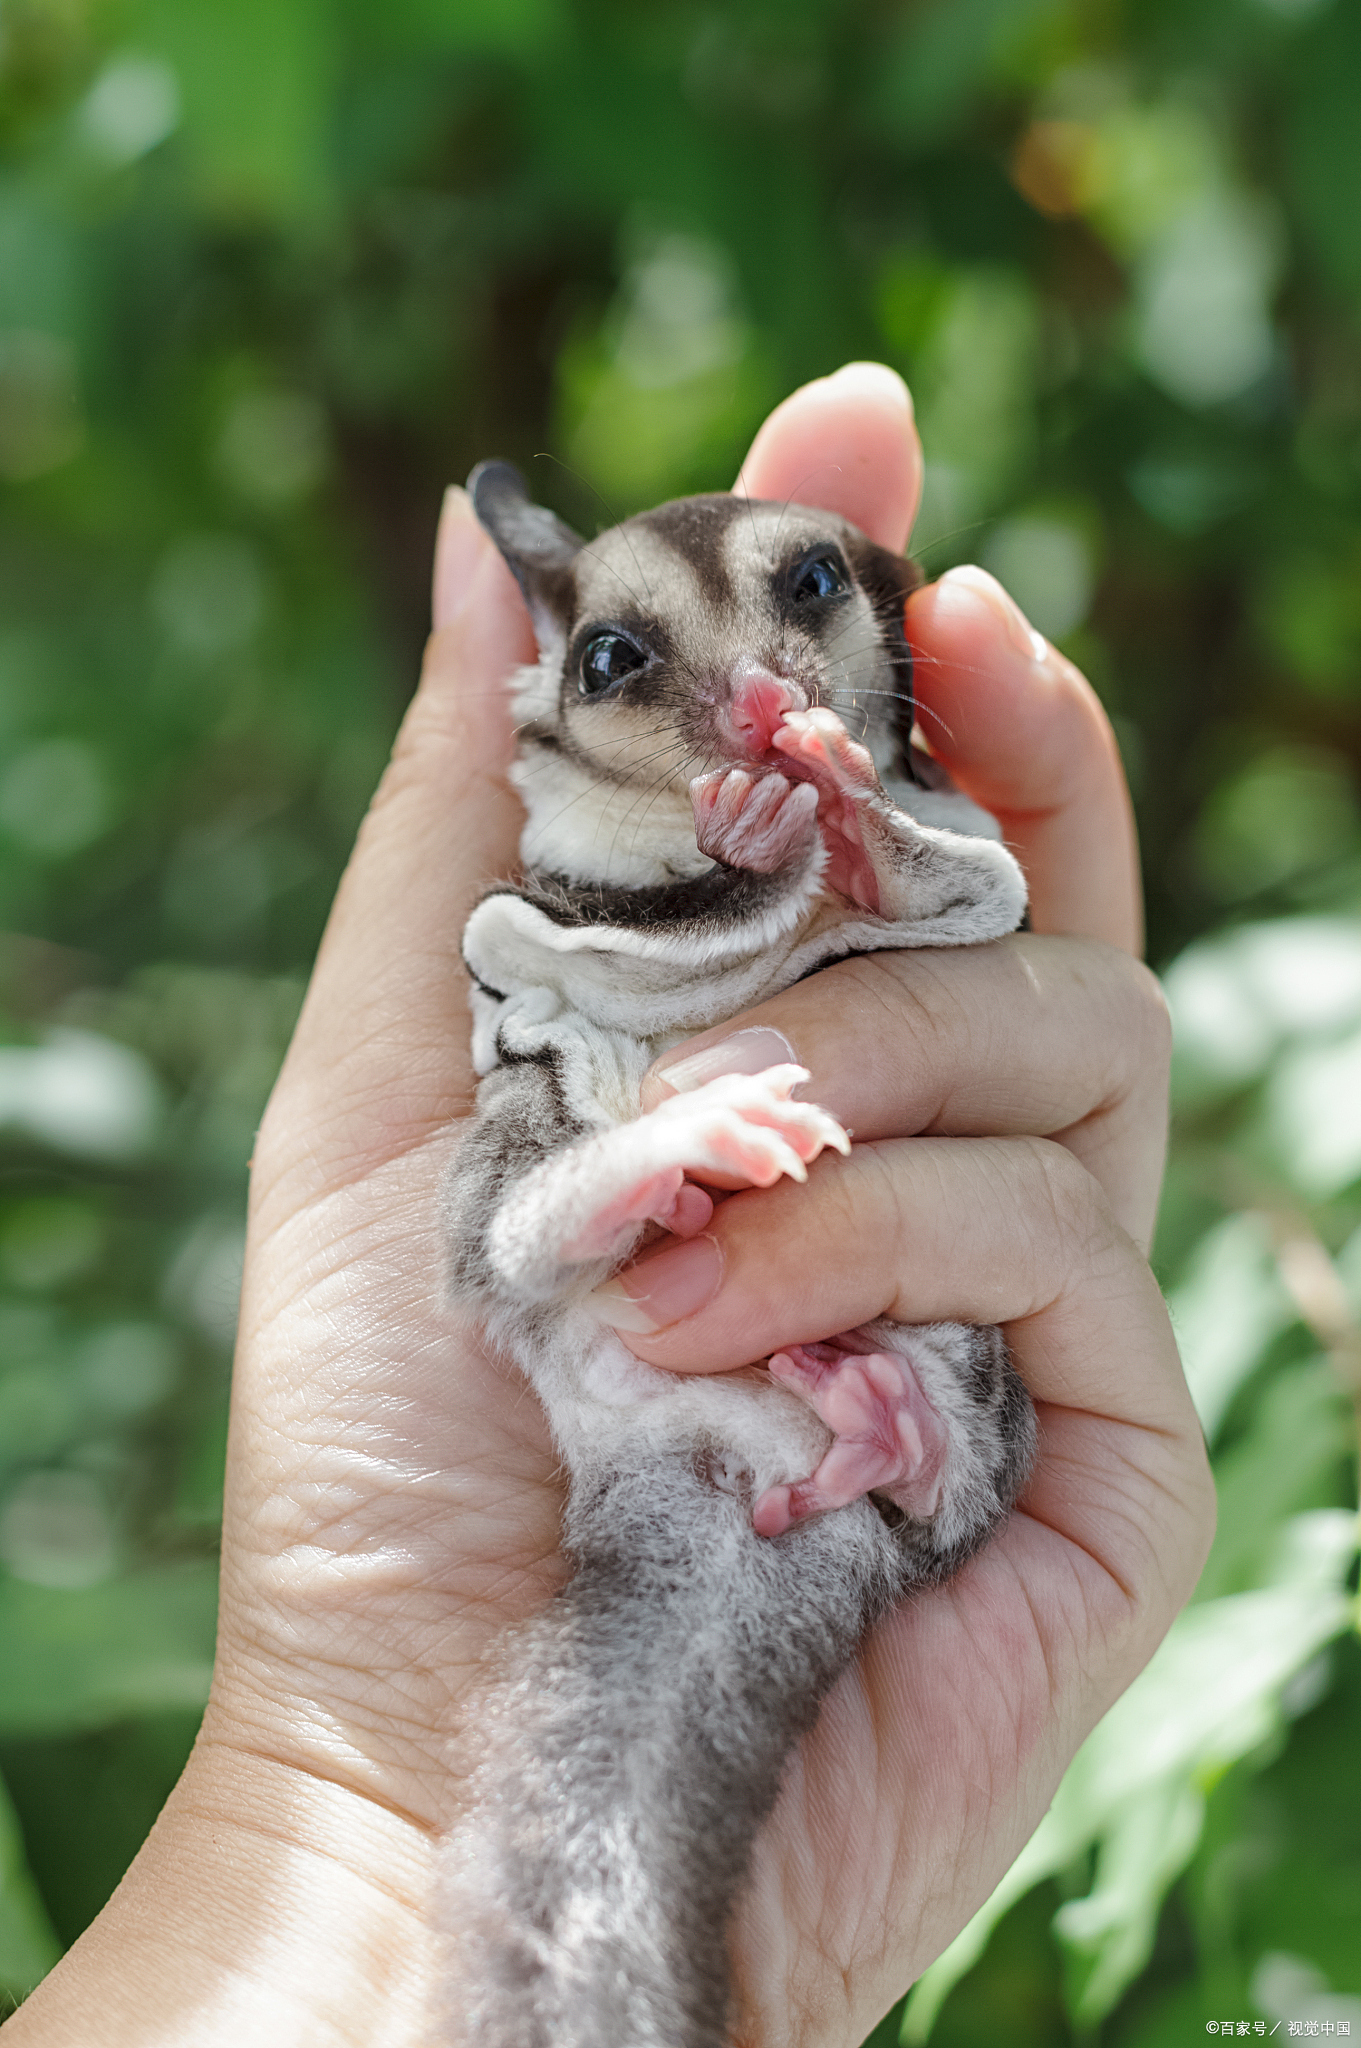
(823, 576)
(606, 660)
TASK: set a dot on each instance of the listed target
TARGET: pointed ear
(538, 548)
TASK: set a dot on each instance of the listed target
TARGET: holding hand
(393, 1501)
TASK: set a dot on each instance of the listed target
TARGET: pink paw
(758, 822)
(740, 1130)
(821, 742)
(818, 745)
(747, 1127)
(887, 1438)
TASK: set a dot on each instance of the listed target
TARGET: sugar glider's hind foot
(887, 1439)
(932, 1422)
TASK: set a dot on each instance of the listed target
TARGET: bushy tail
(630, 1751)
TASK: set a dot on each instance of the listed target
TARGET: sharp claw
(782, 1159)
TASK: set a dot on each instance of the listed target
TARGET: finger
(848, 444)
(383, 1022)
(1032, 1036)
(1012, 1232)
(1021, 730)
(974, 1230)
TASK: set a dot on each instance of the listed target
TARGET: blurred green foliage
(271, 274)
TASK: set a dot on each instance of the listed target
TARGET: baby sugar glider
(723, 795)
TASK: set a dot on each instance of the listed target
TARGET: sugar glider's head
(676, 643)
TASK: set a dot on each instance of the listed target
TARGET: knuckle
(899, 989)
(1073, 1198)
(1136, 1026)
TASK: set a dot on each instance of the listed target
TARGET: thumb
(379, 1061)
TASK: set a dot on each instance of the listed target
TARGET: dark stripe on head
(696, 529)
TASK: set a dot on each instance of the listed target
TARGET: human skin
(393, 1501)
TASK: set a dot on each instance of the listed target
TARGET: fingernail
(873, 378)
(1019, 631)
(661, 1290)
(744, 1052)
(459, 544)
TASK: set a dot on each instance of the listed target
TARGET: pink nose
(759, 703)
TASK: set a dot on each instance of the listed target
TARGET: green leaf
(1300, 1433)
(1227, 1310)
(1109, 1934)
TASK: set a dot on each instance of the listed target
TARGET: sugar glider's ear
(539, 549)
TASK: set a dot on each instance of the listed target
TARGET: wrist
(268, 1903)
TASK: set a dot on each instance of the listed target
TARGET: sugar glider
(723, 795)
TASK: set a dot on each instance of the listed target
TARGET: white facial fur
(605, 782)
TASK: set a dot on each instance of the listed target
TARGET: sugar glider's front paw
(850, 799)
(819, 741)
(745, 1127)
(748, 1125)
(762, 823)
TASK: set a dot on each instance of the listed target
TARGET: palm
(401, 1509)
(407, 1513)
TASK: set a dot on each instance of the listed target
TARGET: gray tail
(630, 1750)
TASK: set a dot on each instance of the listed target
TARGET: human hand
(393, 1500)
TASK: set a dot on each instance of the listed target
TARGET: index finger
(1027, 1037)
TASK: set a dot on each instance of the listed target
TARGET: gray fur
(640, 1732)
(633, 1737)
